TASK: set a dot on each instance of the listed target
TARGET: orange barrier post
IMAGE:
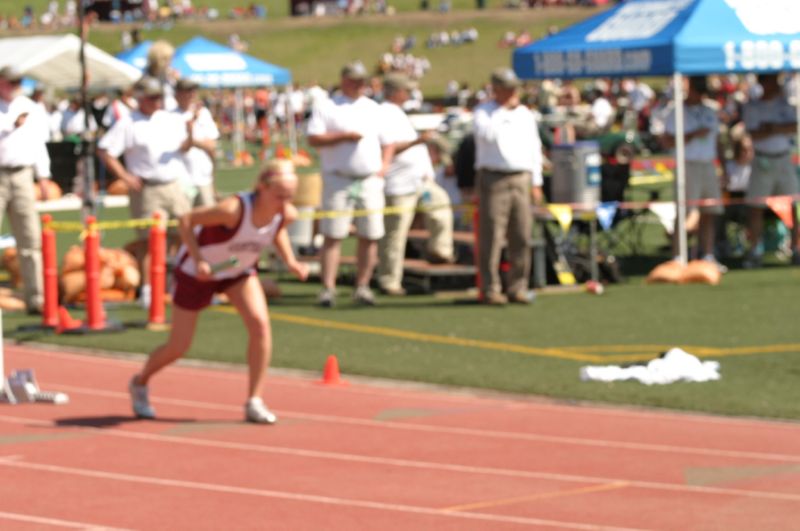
(50, 268)
(158, 271)
(476, 218)
(95, 317)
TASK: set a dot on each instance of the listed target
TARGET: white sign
(640, 20)
(762, 55)
(768, 17)
(593, 62)
(216, 62)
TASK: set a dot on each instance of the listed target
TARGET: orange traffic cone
(330, 375)
(66, 322)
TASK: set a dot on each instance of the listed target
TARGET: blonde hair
(159, 58)
(277, 170)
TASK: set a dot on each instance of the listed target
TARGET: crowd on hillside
(62, 14)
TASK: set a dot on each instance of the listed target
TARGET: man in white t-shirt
(409, 183)
(772, 124)
(200, 157)
(23, 158)
(154, 143)
(508, 160)
(701, 133)
(345, 130)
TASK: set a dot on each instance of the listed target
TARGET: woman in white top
(221, 245)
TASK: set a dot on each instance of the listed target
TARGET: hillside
(315, 48)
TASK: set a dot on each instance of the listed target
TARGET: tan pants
(392, 247)
(17, 197)
(167, 199)
(505, 219)
(205, 196)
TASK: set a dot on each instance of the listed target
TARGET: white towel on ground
(674, 366)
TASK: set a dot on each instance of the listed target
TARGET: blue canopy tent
(136, 55)
(672, 37)
(213, 65)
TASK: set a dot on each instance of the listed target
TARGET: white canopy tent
(54, 61)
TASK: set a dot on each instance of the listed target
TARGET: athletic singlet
(219, 244)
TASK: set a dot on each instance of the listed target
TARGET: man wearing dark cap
(772, 123)
(23, 156)
(200, 157)
(154, 143)
(345, 130)
(409, 183)
(508, 160)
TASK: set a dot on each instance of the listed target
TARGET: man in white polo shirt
(508, 159)
(409, 183)
(701, 131)
(772, 123)
(23, 156)
(200, 157)
(345, 129)
(154, 143)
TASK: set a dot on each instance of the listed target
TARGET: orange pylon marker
(66, 321)
(330, 375)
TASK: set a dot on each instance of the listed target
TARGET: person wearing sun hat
(508, 160)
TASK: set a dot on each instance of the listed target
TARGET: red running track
(371, 456)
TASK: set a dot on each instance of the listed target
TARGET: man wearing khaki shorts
(772, 123)
(345, 131)
(701, 131)
(154, 143)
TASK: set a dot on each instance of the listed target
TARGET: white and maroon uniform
(219, 244)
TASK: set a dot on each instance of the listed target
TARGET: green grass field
(748, 323)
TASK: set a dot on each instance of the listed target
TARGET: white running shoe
(255, 411)
(363, 296)
(327, 298)
(140, 401)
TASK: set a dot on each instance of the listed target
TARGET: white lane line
(54, 522)
(444, 394)
(408, 463)
(311, 498)
(450, 430)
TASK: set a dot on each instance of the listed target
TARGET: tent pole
(680, 170)
(290, 120)
(238, 135)
(87, 142)
(796, 77)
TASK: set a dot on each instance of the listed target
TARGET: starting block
(21, 387)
